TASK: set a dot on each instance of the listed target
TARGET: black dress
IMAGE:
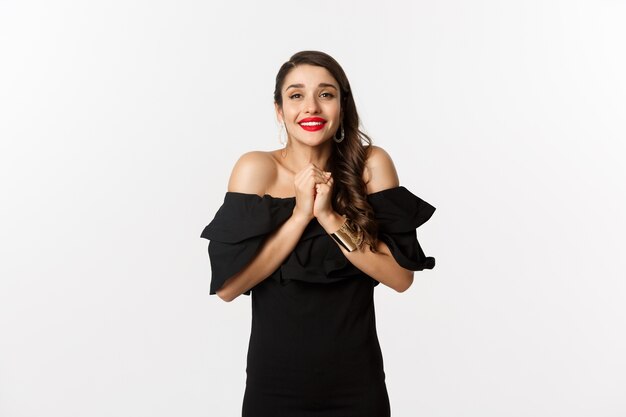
(313, 347)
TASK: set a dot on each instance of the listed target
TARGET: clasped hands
(314, 188)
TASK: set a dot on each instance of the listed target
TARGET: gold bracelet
(347, 237)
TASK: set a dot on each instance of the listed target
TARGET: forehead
(309, 75)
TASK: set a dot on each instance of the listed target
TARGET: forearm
(271, 255)
(379, 265)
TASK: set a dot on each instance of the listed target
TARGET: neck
(298, 155)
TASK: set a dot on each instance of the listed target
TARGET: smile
(312, 124)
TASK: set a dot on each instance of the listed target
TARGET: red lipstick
(312, 124)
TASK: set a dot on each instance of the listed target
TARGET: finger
(321, 189)
(319, 178)
(304, 172)
(311, 172)
(305, 176)
(318, 173)
(308, 169)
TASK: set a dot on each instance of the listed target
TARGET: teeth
(311, 123)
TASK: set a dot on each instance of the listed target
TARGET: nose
(311, 104)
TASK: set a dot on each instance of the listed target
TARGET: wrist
(347, 236)
(301, 218)
(331, 221)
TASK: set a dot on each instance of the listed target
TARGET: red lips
(312, 124)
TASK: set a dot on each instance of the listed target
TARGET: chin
(318, 142)
(313, 141)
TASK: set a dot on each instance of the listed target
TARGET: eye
(327, 95)
(294, 96)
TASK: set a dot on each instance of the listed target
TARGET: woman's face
(311, 107)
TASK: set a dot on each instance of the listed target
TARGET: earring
(282, 134)
(340, 138)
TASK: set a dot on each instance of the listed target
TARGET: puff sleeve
(399, 213)
(238, 230)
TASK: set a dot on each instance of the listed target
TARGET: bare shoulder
(380, 172)
(253, 173)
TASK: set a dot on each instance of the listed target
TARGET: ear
(279, 113)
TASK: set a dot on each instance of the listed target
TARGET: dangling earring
(340, 138)
(282, 134)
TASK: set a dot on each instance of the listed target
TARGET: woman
(310, 230)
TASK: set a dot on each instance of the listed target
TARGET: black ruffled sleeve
(399, 212)
(238, 230)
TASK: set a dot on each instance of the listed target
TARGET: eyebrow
(302, 86)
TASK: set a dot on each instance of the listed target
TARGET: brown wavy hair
(347, 160)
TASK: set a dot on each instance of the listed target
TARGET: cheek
(289, 114)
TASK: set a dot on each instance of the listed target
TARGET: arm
(252, 174)
(380, 174)
(272, 253)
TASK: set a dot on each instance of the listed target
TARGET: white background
(120, 122)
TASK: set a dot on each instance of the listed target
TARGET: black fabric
(399, 213)
(238, 230)
(313, 348)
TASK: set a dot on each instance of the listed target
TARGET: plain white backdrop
(120, 122)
